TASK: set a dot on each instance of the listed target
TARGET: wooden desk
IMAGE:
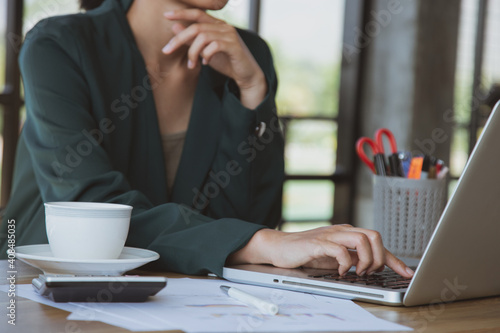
(465, 316)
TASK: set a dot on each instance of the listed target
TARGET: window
(477, 78)
(36, 10)
(306, 44)
(3, 44)
(10, 101)
(3, 34)
(463, 87)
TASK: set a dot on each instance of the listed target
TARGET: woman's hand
(218, 45)
(333, 247)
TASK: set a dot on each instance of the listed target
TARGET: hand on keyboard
(333, 247)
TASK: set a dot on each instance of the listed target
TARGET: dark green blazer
(92, 134)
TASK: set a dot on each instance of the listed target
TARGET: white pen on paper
(263, 306)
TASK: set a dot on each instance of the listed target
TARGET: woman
(156, 104)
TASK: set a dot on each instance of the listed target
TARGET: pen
(432, 168)
(380, 168)
(263, 306)
(426, 164)
(395, 165)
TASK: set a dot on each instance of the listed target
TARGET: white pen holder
(406, 211)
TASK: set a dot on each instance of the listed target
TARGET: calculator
(100, 289)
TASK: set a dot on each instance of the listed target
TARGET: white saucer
(40, 256)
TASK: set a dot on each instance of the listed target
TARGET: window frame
(350, 76)
(10, 97)
(476, 120)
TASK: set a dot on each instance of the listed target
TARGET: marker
(443, 172)
(432, 168)
(439, 166)
(379, 162)
(263, 306)
(396, 166)
(426, 163)
(415, 167)
(405, 158)
(432, 172)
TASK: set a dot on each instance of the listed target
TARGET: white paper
(131, 323)
(26, 291)
(96, 311)
(198, 305)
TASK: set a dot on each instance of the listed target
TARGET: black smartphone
(102, 289)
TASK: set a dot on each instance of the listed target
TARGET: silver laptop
(461, 260)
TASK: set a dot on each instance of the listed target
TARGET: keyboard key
(386, 279)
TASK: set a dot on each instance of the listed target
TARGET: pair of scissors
(378, 164)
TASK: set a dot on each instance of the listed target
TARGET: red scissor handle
(361, 152)
(392, 141)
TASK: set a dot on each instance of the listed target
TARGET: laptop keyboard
(385, 279)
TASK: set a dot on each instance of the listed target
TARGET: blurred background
(345, 68)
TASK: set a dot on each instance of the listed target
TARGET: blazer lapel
(201, 138)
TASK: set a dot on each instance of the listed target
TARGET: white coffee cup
(87, 230)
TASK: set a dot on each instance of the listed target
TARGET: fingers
(212, 49)
(377, 247)
(206, 44)
(329, 262)
(371, 253)
(357, 241)
(193, 15)
(177, 28)
(381, 257)
(340, 247)
(205, 40)
(397, 265)
(220, 46)
(187, 35)
(341, 254)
